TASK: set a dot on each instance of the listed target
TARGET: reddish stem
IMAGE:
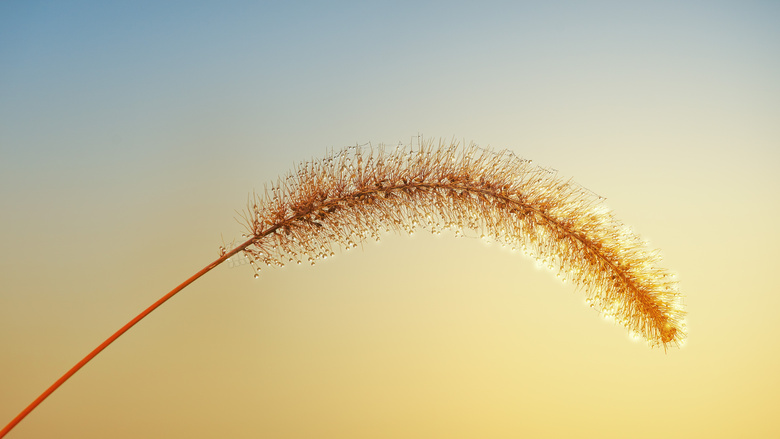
(117, 334)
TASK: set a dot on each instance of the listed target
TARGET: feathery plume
(359, 193)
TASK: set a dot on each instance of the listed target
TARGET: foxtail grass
(359, 193)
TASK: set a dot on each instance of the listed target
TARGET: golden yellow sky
(131, 134)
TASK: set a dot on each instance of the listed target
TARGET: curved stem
(117, 334)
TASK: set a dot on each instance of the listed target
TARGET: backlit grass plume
(362, 192)
(359, 193)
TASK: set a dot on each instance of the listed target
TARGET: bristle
(360, 193)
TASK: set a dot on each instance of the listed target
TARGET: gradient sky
(132, 132)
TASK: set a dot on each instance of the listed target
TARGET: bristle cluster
(362, 192)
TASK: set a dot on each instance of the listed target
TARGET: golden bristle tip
(361, 192)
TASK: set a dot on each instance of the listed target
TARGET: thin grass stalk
(116, 335)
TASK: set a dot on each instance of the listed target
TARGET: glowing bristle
(357, 193)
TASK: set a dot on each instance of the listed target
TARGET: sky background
(131, 133)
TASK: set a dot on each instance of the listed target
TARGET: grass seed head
(361, 192)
